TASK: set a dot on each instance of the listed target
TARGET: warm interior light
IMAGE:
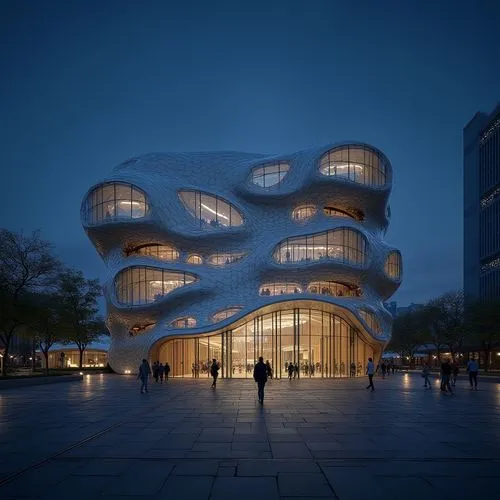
(214, 211)
(126, 202)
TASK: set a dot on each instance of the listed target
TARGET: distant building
(396, 311)
(482, 206)
(68, 355)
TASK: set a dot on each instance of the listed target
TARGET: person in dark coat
(260, 376)
(214, 371)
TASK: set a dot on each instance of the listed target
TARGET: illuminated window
(344, 245)
(279, 289)
(226, 313)
(112, 201)
(143, 285)
(356, 164)
(334, 289)
(269, 175)
(393, 265)
(336, 212)
(224, 259)
(161, 252)
(371, 320)
(141, 328)
(210, 210)
(304, 212)
(186, 322)
(194, 259)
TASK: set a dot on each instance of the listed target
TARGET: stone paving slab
(312, 439)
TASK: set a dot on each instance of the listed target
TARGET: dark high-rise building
(482, 206)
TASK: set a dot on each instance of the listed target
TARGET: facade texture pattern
(236, 249)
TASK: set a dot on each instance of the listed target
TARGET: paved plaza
(312, 439)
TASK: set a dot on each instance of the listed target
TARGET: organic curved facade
(234, 256)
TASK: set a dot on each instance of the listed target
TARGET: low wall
(40, 380)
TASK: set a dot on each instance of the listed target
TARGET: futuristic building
(234, 255)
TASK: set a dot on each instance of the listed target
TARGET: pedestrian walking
(445, 376)
(370, 370)
(425, 373)
(269, 369)
(156, 371)
(472, 368)
(143, 375)
(161, 372)
(454, 373)
(290, 371)
(214, 371)
(353, 369)
(167, 371)
(383, 367)
(260, 376)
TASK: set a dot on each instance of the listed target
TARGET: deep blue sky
(85, 85)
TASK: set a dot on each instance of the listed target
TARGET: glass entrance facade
(318, 344)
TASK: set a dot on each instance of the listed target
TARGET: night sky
(86, 85)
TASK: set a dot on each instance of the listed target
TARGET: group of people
(263, 371)
(449, 374)
(160, 371)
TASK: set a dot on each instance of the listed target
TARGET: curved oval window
(186, 322)
(161, 252)
(343, 244)
(393, 265)
(143, 285)
(225, 313)
(224, 259)
(334, 289)
(304, 212)
(269, 175)
(279, 289)
(141, 328)
(210, 210)
(337, 212)
(114, 200)
(371, 320)
(355, 164)
(194, 259)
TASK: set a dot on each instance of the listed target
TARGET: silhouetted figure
(161, 372)
(445, 376)
(353, 369)
(167, 370)
(370, 371)
(214, 371)
(143, 375)
(472, 368)
(156, 371)
(425, 373)
(291, 370)
(269, 370)
(454, 373)
(260, 376)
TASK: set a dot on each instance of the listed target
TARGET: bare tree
(80, 309)
(43, 319)
(407, 334)
(27, 265)
(448, 320)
